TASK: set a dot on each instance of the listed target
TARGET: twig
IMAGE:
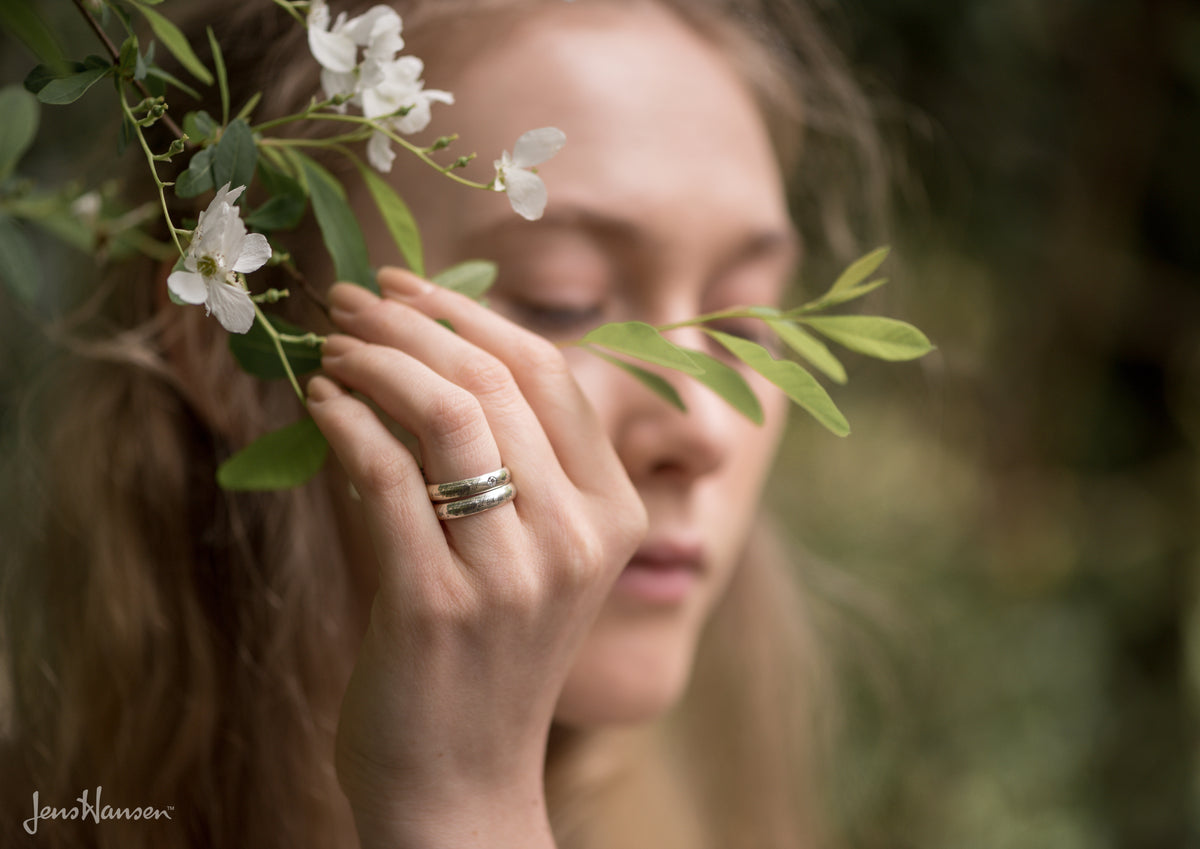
(115, 54)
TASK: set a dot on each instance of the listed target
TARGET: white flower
(382, 84)
(526, 191)
(401, 87)
(220, 250)
(377, 30)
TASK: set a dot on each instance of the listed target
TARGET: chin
(626, 676)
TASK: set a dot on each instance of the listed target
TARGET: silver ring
(476, 503)
(467, 487)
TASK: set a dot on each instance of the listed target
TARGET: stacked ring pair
(469, 496)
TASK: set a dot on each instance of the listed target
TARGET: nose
(659, 442)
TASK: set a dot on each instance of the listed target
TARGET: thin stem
(366, 123)
(290, 8)
(162, 196)
(115, 55)
(734, 312)
(277, 341)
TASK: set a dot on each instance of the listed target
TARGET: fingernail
(400, 283)
(321, 389)
(337, 344)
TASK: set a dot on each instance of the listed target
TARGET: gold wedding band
(467, 487)
(485, 500)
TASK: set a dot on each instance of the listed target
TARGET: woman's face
(665, 203)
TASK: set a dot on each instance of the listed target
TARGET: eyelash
(552, 320)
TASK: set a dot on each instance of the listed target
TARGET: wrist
(466, 818)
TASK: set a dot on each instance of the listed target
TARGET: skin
(665, 203)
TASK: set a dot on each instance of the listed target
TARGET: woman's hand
(476, 621)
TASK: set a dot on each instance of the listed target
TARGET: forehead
(658, 124)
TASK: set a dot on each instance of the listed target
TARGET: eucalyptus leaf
(256, 354)
(236, 156)
(339, 226)
(875, 336)
(797, 383)
(198, 178)
(175, 42)
(728, 383)
(281, 459)
(643, 342)
(471, 278)
(810, 348)
(19, 267)
(649, 379)
(399, 221)
(19, 127)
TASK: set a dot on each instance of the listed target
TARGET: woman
(316, 668)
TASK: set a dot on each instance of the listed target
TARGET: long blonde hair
(187, 647)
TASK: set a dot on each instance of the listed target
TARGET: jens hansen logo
(94, 811)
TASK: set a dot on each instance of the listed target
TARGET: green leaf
(17, 130)
(198, 178)
(860, 270)
(811, 348)
(248, 107)
(728, 382)
(284, 209)
(22, 21)
(339, 226)
(471, 278)
(643, 342)
(156, 73)
(64, 90)
(875, 336)
(174, 41)
(797, 383)
(128, 57)
(256, 354)
(236, 156)
(199, 126)
(833, 299)
(280, 459)
(222, 78)
(399, 221)
(649, 379)
(19, 268)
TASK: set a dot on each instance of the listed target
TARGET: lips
(663, 571)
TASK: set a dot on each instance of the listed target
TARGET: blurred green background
(1004, 551)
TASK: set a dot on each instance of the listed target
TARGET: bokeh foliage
(1005, 550)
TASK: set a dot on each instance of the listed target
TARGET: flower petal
(526, 193)
(256, 250)
(232, 307)
(188, 286)
(536, 146)
(380, 153)
(334, 51)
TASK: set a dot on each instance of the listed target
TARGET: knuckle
(452, 420)
(541, 355)
(483, 376)
(383, 472)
